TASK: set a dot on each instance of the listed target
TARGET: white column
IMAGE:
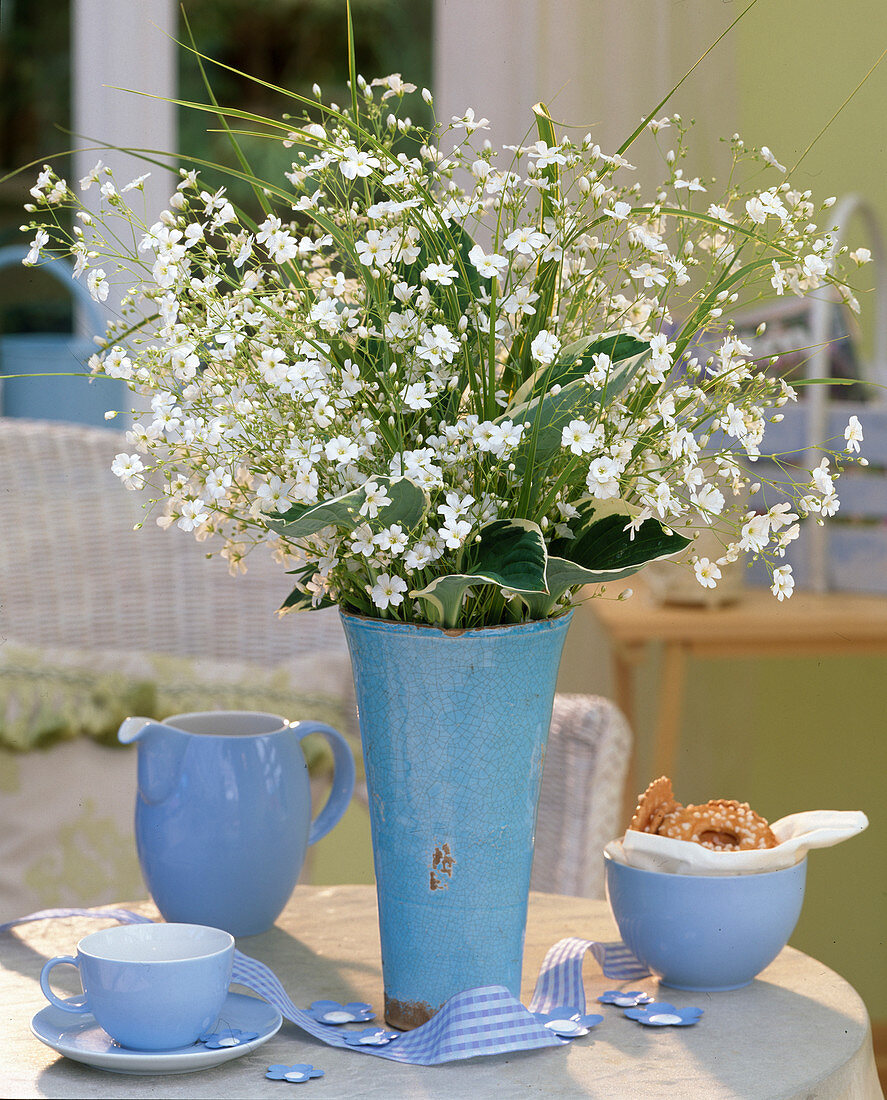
(597, 64)
(124, 44)
(120, 44)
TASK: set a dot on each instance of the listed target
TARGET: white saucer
(81, 1038)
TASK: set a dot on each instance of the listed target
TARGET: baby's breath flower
(707, 572)
(404, 341)
(853, 435)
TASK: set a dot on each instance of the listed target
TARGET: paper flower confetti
(568, 1023)
(297, 1074)
(369, 1037)
(662, 1014)
(625, 998)
(331, 1012)
(228, 1037)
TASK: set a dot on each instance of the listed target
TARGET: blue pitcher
(223, 813)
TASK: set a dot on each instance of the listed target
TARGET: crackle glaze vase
(454, 726)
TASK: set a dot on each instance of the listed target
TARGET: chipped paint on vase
(454, 726)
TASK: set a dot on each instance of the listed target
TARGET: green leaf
(545, 129)
(469, 281)
(604, 546)
(352, 64)
(561, 575)
(814, 382)
(552, 412)
(436, 246)
(510, 554)
(576, 360)
(602, 552)
(409, 503)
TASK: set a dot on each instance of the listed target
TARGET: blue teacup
(150, 986)
(705, 932)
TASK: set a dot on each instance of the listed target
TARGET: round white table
(798, 1031)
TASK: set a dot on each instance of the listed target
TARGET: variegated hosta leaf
(576, 400)
(603, 544)
(509, 553)
(409, 503)
(604, 551)
(577, 359)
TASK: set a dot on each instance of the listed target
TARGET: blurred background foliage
(292, 44)
(289, 43)
(35, 77)
(35, 110)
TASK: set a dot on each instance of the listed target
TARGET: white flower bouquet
(450, 385)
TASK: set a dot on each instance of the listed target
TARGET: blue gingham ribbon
(486, 1020)
(560, 979)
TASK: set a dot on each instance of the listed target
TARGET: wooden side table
(757, 625)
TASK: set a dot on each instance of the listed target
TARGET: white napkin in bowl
(797, 834)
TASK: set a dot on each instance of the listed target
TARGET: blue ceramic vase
(454, 726)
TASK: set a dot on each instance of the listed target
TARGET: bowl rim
(608, 859)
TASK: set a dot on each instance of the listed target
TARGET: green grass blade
(352, 64)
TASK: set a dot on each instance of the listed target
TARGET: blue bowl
(705, 933)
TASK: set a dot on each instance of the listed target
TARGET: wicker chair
(581, 800)
(74, 573)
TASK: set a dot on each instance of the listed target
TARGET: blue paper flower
(568, 1023)
(228, 1037)
(662, 1014)
(331, 1012)
(625, 998)
(369, 1037)
(297, 1074)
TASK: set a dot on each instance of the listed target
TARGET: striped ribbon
(486, 1020)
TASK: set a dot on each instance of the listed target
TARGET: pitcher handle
(343, 778)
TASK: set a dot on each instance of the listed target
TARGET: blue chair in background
(53, 364)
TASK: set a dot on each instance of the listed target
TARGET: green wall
(797, 61)
(345, 854)
(801, 733)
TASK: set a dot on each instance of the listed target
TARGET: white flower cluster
(524, 339)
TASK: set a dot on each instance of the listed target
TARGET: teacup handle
(343, 778)
(75, 1004)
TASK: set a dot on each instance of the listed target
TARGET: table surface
(798, 1031)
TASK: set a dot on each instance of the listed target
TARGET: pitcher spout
(161, 751)
(137, 729)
